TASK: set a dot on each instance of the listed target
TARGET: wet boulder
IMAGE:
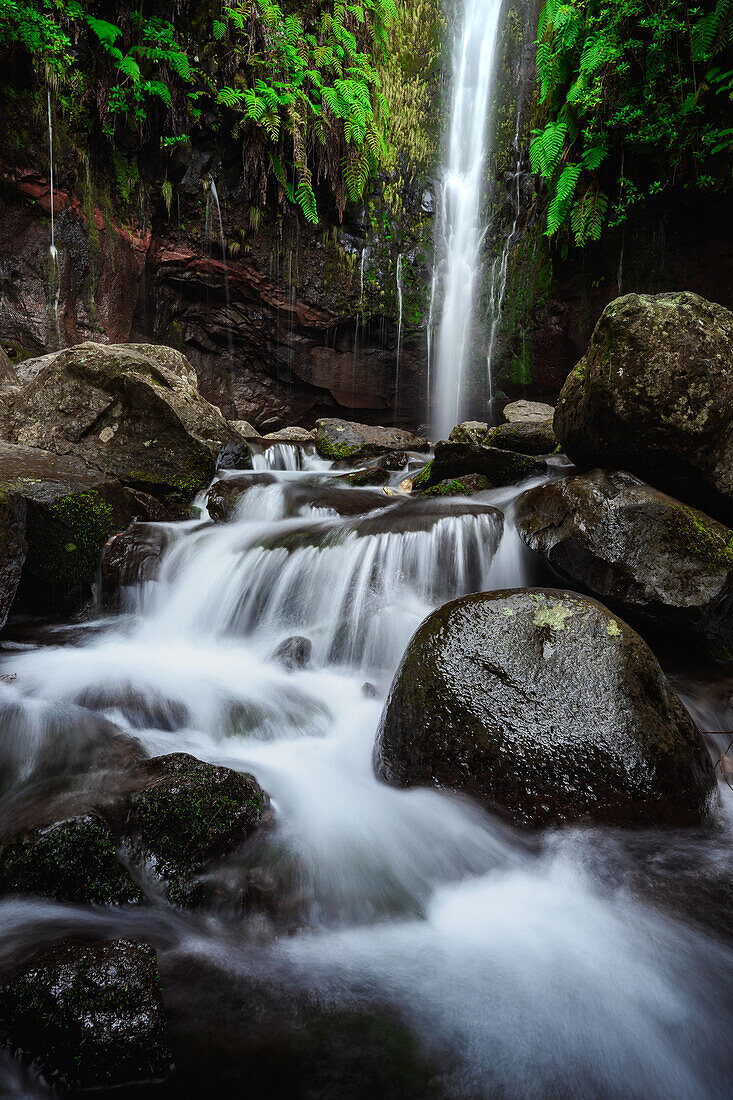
(293, 652)
(183, 813)
(370, 475)
(545, 708)
(88, 1015)
(654, 395)
(342, 439)
(529, 437)
(63, 512)
(73, 860)
(132, 557)
(455, 460)
(224, 495)
(132, 411)
(469, 431)
(236, 454)
(664, 565)
(459, 486)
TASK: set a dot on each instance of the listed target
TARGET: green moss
(613, 629)
(551, 613)
(65, 538)
(694, 533)
(459, 486)
(74, 860)
(422, 477)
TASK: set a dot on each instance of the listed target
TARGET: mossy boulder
(654, 395)
(664, 565)
(546, 708)
(422, 479)
(370, 475)
(74, 860)
(186, 814)
(459, 486)
(529, 437)
(132, 411)
(456, 460)
(342, 439)
(58, 514)
(88, 1015)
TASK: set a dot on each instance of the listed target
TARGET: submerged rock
(666, 565)
(544, 707)
(654, 395)
(455, 460)
(529, 437)
(89, 1015)
(339, 439)
(294, 652)
(131, 410)
(74, 860)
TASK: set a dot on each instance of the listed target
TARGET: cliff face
(283, 322)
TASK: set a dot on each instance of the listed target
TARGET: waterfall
(55, 274)
(461, 223)
(399, 332)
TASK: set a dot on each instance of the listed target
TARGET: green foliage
(302, 91)
(638, 95)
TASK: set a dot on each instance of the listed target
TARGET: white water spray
(461, 225)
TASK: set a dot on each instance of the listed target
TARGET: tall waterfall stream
(551, 966)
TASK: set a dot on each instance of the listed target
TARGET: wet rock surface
(529, 437)
(341, 439)
(89, 1015)
(654, 395)
(133, 557)
(293, 652)
(56, 515)
(544, 707)
(460, 486)
(469, 431)
(455, 460)
(660, 562)
(235, 455)
(132, 411)
(224, 494)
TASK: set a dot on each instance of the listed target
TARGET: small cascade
(53, 256)
(227, 297)
(399, 332)
(461, 221)
(280, 456)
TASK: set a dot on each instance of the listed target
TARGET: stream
(582, 962)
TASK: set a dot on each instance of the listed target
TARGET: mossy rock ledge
(662, 564)
(88, 1015)
(654, 395)
(342, 439)
(456, 460)
(546, 708)
(131, 410)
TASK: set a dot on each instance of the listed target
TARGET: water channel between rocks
(582, 962)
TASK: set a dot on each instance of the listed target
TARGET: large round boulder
(88, 1015)
(654, 395)
(665, 565)
(544, 707)
(130, 410)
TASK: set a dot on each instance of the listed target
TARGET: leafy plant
(638, 95)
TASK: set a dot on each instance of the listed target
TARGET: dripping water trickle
(54, 271)
(227, 298)
(399, 333)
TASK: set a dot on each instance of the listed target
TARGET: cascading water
(526, 968)
(461, 221)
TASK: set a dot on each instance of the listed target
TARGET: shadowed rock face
(132, 411)
(667, 566)
(654, 395)
(455, 460)
(545, 708)
(90, 1015)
